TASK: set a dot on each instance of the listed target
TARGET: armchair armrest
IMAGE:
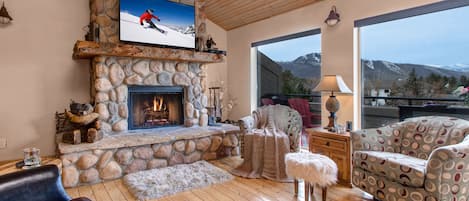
(377, 139)
(446, 172)
(80, 199)
(246, 124)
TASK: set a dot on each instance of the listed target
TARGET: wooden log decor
(90, 49)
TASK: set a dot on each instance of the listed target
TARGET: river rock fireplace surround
(116, 71)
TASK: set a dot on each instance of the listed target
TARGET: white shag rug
(156, 183)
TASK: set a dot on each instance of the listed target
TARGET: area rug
(156, 183)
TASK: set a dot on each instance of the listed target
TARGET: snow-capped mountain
(386, 72)
(304, 66)
(131, 30)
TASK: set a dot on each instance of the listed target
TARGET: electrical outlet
(3, 143)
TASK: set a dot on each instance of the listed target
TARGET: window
(415, 63)
(288, 68)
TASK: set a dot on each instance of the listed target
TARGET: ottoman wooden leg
(295, 184)
(306, 191)
(311, 193)
(324, 193)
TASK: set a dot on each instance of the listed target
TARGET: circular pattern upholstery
(313, 168)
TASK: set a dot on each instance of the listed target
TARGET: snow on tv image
(158, 22)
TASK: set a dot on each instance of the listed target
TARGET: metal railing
(411, 100)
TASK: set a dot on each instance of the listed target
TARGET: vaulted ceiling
(231, 14)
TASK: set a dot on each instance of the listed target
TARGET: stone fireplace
(155, 106)
(151, 103)
(115, 78)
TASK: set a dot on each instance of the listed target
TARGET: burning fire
(157, 104)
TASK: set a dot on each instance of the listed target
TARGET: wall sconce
(5, 18)
(333, 17)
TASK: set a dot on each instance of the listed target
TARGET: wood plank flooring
(239, 189)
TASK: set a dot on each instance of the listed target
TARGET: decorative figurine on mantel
(78, 125)
(211, 43)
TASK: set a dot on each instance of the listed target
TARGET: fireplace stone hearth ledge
(132, 151)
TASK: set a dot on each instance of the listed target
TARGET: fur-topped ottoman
(315, 169)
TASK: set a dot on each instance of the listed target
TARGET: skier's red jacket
(147, 16)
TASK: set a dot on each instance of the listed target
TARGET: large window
(288, 68)
(415, 64)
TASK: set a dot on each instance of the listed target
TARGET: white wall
(39, 76)
(337, 45)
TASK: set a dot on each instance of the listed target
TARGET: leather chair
(37, 184)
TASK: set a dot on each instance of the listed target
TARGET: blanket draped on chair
(265, 149)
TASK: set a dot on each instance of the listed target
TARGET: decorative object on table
(79, 124)
(462, 92)
(31, 158)
(5, 18)
(333, 18)
(156, 183)
(332, 83)
(314, 169)
(425, 157)
(349, 126)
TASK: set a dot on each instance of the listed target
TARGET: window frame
(392, 16)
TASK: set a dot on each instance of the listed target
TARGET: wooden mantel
(90, 49)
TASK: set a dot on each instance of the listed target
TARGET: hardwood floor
(239, 189)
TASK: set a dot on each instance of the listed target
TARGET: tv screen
(157, 22)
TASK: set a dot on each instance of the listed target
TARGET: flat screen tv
(157, 22)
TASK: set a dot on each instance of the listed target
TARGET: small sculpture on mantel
(211, 43)
(79, 124)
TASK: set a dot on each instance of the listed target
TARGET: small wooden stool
(314, 169)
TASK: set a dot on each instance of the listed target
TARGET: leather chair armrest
(80, 199)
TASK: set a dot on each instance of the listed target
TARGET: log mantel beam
(90, 49)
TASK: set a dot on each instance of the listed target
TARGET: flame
(157, 104)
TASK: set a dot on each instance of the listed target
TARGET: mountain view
(432, 80)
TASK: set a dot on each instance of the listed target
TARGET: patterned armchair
(422, 158)
(284, 117)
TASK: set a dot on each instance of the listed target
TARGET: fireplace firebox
(155, 106)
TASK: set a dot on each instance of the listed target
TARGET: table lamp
(332, 83)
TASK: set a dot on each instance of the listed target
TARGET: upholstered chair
(284, 118)
(422, 158)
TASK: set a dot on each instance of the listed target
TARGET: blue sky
(170, 13)
(440, 38)
(291, 49)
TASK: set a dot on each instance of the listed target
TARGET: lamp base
(332, 120)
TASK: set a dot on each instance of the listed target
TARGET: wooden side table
(335, 146)
(10, 167)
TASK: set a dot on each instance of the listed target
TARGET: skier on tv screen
(147, 16)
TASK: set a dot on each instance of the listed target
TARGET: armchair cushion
(406, 170)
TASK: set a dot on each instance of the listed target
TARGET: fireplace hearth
(155, 106)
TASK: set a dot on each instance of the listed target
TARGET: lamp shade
(332, 83)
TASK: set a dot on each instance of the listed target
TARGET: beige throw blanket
(264, 152)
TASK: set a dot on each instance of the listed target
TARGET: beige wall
(38, 75)
(337, 44)
(218, 72)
